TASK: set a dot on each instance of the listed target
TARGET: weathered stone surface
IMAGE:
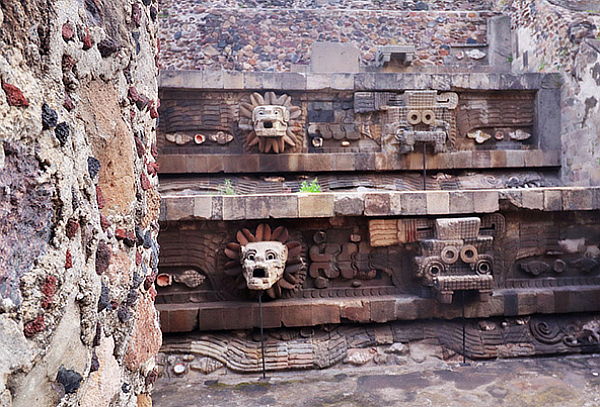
(146, 338)
(112, 146)
(103, 384)
(67, 152)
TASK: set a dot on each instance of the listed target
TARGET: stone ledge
(298, 312)
(177, 207)
(226, 80)
(328, 162)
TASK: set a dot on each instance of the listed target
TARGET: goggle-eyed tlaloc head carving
(263, 263)
(270, 120)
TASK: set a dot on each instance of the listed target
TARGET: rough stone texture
(197, 35)
(553, 37)
(69, 185)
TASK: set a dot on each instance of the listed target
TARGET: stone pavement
(566, 381)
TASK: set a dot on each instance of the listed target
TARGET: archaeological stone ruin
(356, 180)
(194, 189)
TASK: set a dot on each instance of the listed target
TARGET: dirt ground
(566, 381)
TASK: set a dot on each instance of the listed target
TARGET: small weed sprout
(312, 186)
(227, 188)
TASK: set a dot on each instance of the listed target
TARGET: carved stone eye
(250, 256)
(271, 256)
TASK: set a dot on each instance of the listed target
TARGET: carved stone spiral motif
(295, 267)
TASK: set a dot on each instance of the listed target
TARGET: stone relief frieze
(266, 260)
(270, 122)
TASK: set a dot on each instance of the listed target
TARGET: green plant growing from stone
(542, 66)
(227, 187)
(311, 187)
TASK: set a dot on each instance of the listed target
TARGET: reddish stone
(148, 281)
(152, 168)
(68, 62)
(103, 255)
(153, 113)
(99, 197)
(68, 260)
(140, 100)
(154, 151)
(138, 258)
(67, 31)
(152, 292)
(131, 114)
(152, 376)
(104, 222)
(72, 228)
(145, 182)
(139, 146)
(136, 14)
(87, 39)
(14, 96)
(146, 337)
(128, 237)
(68, 103)
(49, 289)
(33, 327)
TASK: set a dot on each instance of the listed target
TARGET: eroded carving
(456, 259)
(266, 260)
(270, 121)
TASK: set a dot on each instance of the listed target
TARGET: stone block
(233, 80)
(356, 311)
(234, 207)
(293, 81)
(296, 315)
(527, 302)
(498, 158)
(532, 199)
(211, 319)
(182, 318)
(179, 207)
(515, 159)
(438, 203)
(461, 202)
(330, 57)
(513, 196)
(181, 79)
(325, 314)
(596, 198)
(552, 200)
(348, 204)
(316, 81)
(486, 201)
(545, 302)
(212, 79)
(217, 207)
(271, 206)
(408, 308)
(271, 80)
(574, 199)
(413, 203)
(340, 81)
(377, 204)
(383, 310)
(364, 81)
(315, 205)
(202, 207)
(253, 80)
(462, 159)
(534, 158)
